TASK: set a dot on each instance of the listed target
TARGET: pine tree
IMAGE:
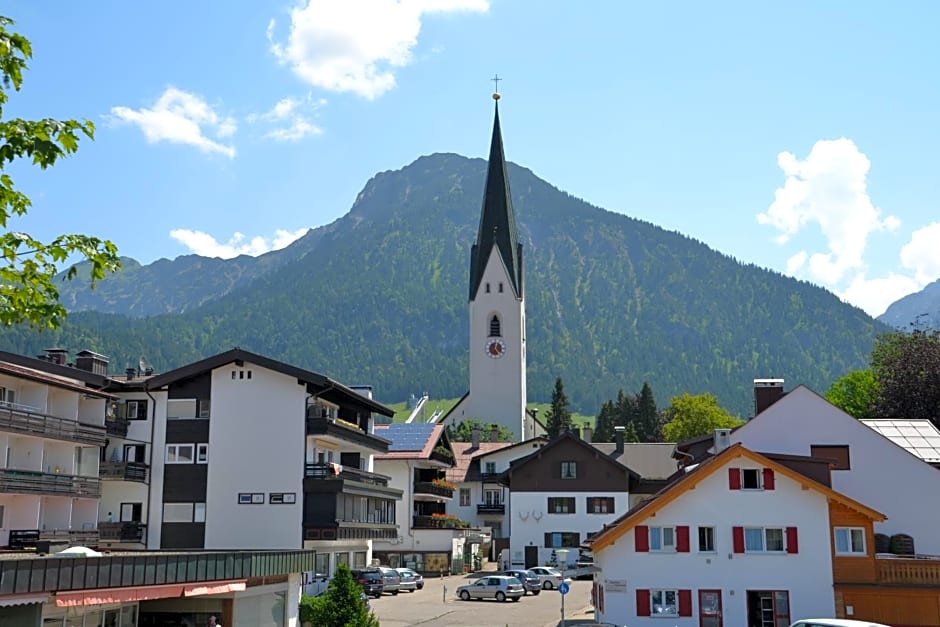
(604, 430)
(558, 418)
(342, 605)
(649, 425)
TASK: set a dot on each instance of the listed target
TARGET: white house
(740, 539)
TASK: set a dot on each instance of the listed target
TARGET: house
(481, 498)
(867, 465)
(429, 539)
(738, 539)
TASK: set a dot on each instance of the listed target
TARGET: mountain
(380, 297)
(918, 310)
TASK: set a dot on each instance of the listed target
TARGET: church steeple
(497, 221)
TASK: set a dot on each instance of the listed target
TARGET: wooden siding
(542, 471)
(852, 569)
(898, 607)
(909, 572)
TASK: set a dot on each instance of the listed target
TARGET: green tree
(691, 416)
(341, 605)
(648, 423)
(28, 291)
(855, 393)
(907, 370)
(463, 431)
(558, 417)
(604, 425)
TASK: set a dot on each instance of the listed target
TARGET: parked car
(550, 578)
(835, 622)
(408, 581)
(418, 577)
(499, 587)
(371, 580)
(392, 580)
(530, 581)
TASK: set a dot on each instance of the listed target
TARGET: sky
(801, 136)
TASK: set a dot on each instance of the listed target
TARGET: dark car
(371, 580)
(530, 581)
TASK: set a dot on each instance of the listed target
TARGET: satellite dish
(142, 365)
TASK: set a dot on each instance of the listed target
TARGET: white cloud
(922, 253)
(356, 45)
(829, 188)
(295, 112)
(299, 129)
(180, 117)
(201, 243)
(874, 295)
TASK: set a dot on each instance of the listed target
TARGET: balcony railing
(117, 426)
(28, 482)
(121, 531)
(29, 420)
(909, 571)
(29, 538)
(491, 508)
(434, 522)
(427, 487)
(338, 471)
(123, 471)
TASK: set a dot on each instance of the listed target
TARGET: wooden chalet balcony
(29, 482)
(117, 426)
(30, 421)
(123, 471)
(908, 571)
(121, 531)
(491, 508)
(427, 487)
(338, 471)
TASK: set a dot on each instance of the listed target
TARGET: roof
(919, 437)
(410, 440)
(50, 379)
(673, 491)
(465, 453)
(568, 435)
(497, 222)
(650, 460)
(536, 442)
(308, 377)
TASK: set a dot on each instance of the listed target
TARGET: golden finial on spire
(496, 80)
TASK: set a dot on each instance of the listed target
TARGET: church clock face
(495, 347)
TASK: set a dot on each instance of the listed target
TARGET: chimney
(722, 439)
(494, 433)
(766, 393)
(576, 431)
(91, 362)
(588, 432)
(57, 355)
(475, 437)
(618, 437)
(130, 372)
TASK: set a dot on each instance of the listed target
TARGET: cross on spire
(496, 80)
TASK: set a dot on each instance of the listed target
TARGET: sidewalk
(575, 618)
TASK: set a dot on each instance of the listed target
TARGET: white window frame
(203, 407)
(172, 455)
(662, 593)
(202, 454)
(698, 539)
(849, 534)
(465, 492)
(490, 468)
(763, 539)
(760, 478)
(660, 534)
(199, 512)
(573, 466)
(127, 411)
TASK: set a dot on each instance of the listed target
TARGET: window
(495, 327)
(323, 563)
(562, 540)
(838, 455)
(750, 479)
(202, 453)
(181, 409)
(465, 497)
(251, 498)
(850, 541)
(500, 287)
(359, 559)
(569, 470)
(662, 539)
(561, 505)
(761, 540)
(7, 396)
(282, 498)
(664, 602)
(177, 512)
(600, 505)
(199, 512)
(179, 453)
(203, 407)
(136, 410)
(492, 497)
(342, 558)
(490, 468)
(487, 288)
(706, 539)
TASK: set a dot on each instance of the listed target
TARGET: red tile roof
(464, 452)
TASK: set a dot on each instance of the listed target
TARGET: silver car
(408, 580)
(418, 577)
(496, 587)
(549, 577)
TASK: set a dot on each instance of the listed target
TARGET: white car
(835, 622)
(497, 587)
(549, 577)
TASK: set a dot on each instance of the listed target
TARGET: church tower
(497, 306)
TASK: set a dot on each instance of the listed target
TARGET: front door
(531, 556)
(709, 608)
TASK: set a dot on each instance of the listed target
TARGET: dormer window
(495, 327)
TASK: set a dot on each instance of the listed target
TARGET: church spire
(497, 221)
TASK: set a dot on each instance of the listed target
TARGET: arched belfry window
(487, 288)
(495, 327)
(500, 287)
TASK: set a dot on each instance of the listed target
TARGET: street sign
(563, 588)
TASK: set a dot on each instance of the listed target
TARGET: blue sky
(798, 136)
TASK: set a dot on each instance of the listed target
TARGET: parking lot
(433, 607)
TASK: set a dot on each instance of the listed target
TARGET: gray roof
(651, 460)
(919, 437)
(408, 436)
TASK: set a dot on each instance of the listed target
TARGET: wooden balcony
(345, 432)
(909, 571)
(491, 508)
(117, 426)
(28, 482)
(123, 471)
(121, 531)
(428, 487)
(17, 418)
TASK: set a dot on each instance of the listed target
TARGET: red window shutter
(641, 535)
(734, 478)
(793, 544)
(642, 602)
(685, 602)
(737, 535)
(682, 539)
(768, 478)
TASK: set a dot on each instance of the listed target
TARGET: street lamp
(563, 558)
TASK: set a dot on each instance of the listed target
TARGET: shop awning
(216, 587)
(23, 599)
(147, 593)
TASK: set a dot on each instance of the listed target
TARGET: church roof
(497, 222)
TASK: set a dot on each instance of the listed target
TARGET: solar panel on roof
(408, 436)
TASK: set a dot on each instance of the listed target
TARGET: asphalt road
(432, 607)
